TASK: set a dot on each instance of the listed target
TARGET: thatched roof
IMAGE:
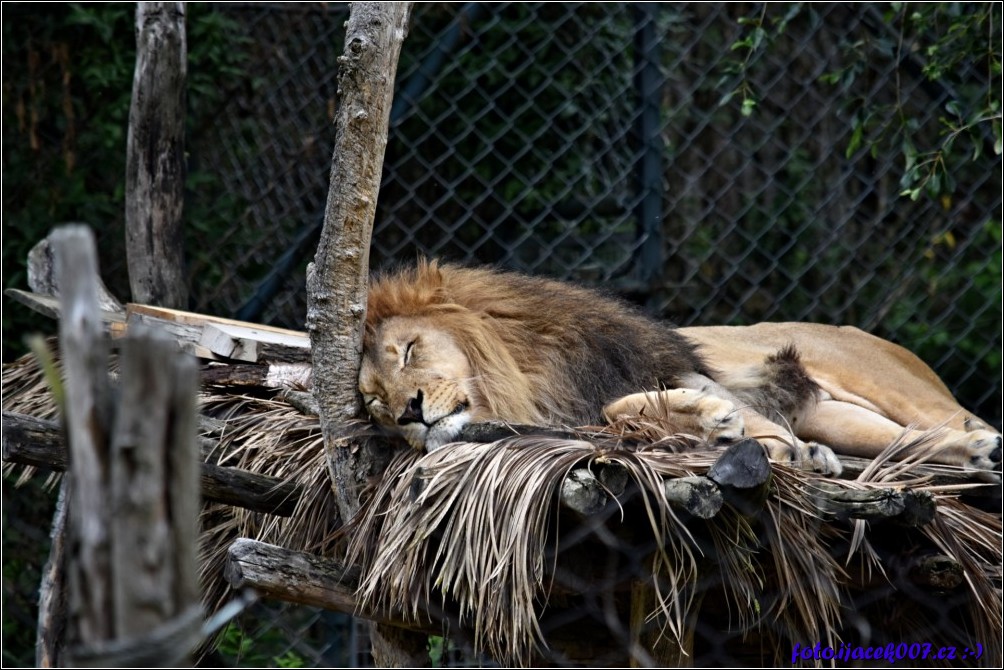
(478, 533)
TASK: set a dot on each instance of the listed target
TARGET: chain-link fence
(722, 164)
(719, 163)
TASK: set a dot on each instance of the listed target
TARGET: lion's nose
(412, 412)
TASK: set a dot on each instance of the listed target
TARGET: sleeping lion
(446, 346)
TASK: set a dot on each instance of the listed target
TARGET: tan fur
(446, 346)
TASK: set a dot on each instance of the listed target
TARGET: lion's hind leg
(857, 431)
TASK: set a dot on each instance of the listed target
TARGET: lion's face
(416, 381)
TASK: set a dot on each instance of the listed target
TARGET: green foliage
(946, 42)
(919, 89)
(68, 72)
(269, 649)
(961, 292)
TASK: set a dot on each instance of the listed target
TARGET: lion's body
(447, 345)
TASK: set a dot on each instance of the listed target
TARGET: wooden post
(133, 502)
(155, 157)
(337, 279)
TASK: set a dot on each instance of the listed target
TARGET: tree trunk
(155, 157)
(337, 279)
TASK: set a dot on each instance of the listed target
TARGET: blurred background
(717, 163)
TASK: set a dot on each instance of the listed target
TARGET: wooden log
(42, 279)
(918, 510)
(698, 496)
(155, 157)
(298, 577)
(743, 474)
(252, 491)
(587, 494)
(909, 508)
(47, 305)
(613, 476)
(744, 465)
(302, 400)
(337, 279)
(154, 494)
(132, 576)
(582, 493)
(39, 443)
(35, 442)
(269, 376)
(937, 572)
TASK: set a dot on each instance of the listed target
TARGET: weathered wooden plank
(253, 344)
(48, 305)
(199, 320)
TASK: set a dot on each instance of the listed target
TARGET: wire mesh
(609, 144)
(629, 146)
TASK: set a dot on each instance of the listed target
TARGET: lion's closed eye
(408, 352)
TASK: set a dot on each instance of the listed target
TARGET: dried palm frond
(973, 538)
(477, 530)
(475, 526)
(268, 437)
(25, 389)
(807, 580)
(472, 521)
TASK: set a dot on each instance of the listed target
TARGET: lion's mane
(543, 352)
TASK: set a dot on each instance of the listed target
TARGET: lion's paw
(980, 450)
(809, 456)
(720, 420)
(686, 411)
(821, 459)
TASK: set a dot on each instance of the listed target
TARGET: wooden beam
(306, 579)
(39, 443)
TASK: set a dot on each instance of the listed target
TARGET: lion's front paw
(687, 411)
(809, 456)
(721, 422)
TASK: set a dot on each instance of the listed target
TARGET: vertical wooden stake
(155, 157)
(134, 484)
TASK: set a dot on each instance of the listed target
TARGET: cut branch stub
(743, 475)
